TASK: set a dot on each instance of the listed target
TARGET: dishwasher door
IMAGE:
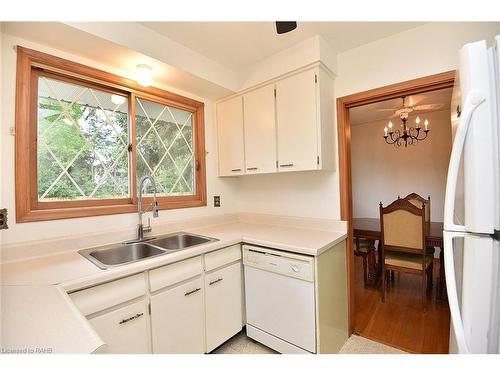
(279, 295)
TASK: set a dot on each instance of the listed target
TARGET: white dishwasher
(280, 299)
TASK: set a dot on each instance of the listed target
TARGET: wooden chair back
(402, 227)
(417, 200)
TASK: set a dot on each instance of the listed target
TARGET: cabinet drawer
(100, 297)
(175, 273)
(222, 257)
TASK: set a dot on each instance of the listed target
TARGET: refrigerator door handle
(472, 101)
(451, 288)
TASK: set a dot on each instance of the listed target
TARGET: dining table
(369, 229)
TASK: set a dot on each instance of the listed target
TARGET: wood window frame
(31, 64)
(411, 87)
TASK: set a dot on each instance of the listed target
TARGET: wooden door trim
(414, 86)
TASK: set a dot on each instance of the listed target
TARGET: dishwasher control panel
(281, 262)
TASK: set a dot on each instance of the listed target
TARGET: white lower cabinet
(223, 301)
(124, 330)
(177, 319)
(194, 306)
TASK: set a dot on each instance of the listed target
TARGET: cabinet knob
(252, 169)
(236, 170)
(286, 165)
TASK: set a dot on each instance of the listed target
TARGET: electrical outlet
(3, 219)
(216, 200)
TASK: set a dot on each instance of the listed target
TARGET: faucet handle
(155, 209)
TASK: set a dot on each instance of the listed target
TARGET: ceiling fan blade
(427, 107)
(384, 109)
(283, 27)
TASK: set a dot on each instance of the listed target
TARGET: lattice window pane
(82, 142)
(165, 147)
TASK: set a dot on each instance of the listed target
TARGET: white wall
(48, 229)
(428, 49)
(306, 52)
(425, 50)
(381, 172)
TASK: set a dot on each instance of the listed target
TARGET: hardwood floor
(400, 321)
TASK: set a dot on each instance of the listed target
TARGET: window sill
(80, 212)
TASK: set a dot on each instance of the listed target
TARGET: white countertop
(72, 271)
(38, 285)
(43, 319)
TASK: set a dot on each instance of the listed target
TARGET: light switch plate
(216, 200)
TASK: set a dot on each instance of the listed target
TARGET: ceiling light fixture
(407, 135)
(144, 74)
(117, 99)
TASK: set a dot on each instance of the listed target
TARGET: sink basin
(117, 255)
(112, 256)
(179, 241)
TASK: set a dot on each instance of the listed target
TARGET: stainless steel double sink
(124, 253)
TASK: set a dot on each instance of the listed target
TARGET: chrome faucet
(154, 207)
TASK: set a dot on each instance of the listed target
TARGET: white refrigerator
(472, 203)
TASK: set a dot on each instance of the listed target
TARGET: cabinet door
(223, 304)
(124, 330)
(230, 137)
(177, 319)
(260, 130)
(296, 111)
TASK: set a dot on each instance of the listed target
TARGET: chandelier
(407, 135)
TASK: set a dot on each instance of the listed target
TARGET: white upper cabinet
(288, 125)
(230, 137)
(296, 106)
(260, 130)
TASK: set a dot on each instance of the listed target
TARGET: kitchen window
(85, 137)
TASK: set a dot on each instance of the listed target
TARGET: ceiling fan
(283, 27)
(408, 107)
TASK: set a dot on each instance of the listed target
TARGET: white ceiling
(238, 45)
(385, 110)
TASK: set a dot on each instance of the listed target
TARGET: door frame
(411, 87)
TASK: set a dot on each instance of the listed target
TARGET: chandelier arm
(424, 135)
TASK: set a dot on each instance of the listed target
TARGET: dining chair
(362, 248)
(403, 244)
(417, 201)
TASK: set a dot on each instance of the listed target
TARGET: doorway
(344, 105)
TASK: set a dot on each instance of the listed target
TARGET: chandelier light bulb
(385, 131)
(426, 124)
(144, 74)
(390, 125)
(417, 120)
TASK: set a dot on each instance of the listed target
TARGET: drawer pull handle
(252, 169)
(138, 315)
(215, 281)
(236, 170)
(192, 292)
(286, 165)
